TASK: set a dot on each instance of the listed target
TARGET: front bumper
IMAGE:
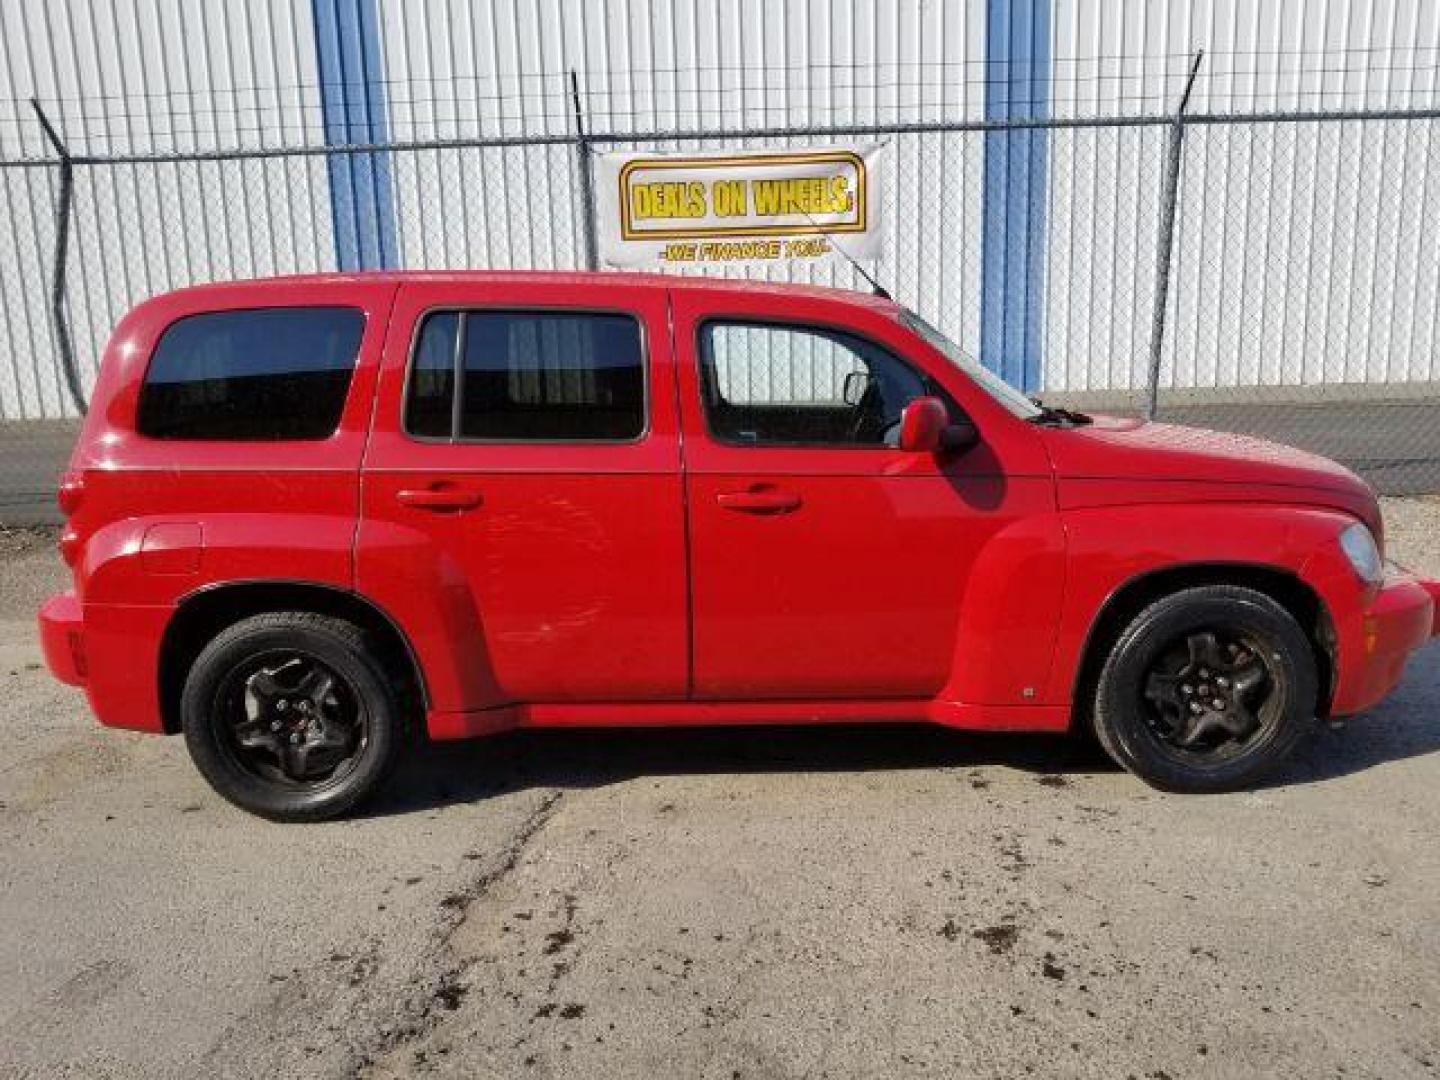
(62, 638)
(1374, 643)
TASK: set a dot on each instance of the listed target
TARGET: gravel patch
(1412, 533)
(30, 570)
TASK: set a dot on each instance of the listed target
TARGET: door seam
(684, 474)
(360, 471)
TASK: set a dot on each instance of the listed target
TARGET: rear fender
(404, 572)
(135, 572)
(157, 559)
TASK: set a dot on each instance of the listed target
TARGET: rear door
(521, 490)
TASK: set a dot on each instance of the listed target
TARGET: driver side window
(776, 384)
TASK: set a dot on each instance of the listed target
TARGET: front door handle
(761, 499)
(439, 497)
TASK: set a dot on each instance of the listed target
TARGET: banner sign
(670, 210)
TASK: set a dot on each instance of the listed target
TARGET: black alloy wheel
(293, 720)
(1207, 689)
(1211, 693)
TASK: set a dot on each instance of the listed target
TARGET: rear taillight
(70, 492)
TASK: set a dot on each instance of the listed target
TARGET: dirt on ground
(757, 903)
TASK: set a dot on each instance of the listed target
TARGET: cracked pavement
(751, 903)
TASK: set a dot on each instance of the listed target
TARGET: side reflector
(77, 653)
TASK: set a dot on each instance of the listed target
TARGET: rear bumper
(113, 651)
(62, 638)
(1375, 643)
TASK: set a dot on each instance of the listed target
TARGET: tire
(1159, 719)
(292, 716)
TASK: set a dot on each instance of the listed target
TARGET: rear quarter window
(258, 374)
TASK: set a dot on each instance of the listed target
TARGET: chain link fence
(1272, 273)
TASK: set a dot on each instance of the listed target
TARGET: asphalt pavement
(32, 456)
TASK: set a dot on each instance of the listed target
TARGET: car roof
(560, 278)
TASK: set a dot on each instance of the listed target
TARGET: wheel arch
(1132, 596)
(202, 614)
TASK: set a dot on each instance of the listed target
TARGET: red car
(307, 513)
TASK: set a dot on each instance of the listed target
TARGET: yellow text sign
(764, 206)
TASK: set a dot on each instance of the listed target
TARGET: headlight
(1360, 548)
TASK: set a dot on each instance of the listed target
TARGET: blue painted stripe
(1012, 242)
(352, 100)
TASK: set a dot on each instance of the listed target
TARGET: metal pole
(587, 181)
(1167, 239)
(58, 310)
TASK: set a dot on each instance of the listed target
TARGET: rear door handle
(761, 499)
(439, 497)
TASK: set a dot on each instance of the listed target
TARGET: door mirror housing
(856, 383)
(925, 428)
(922, 424)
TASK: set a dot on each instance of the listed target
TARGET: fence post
(1167, 239)
(587, 181)
(62, 258)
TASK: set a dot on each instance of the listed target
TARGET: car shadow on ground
(1405, 725)
(437, 774)
(1357, 746)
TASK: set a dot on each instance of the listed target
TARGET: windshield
(1013, 400)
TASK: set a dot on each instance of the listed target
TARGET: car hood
(1150, 459)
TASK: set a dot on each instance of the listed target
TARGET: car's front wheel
(1207, 689)
(291, 715)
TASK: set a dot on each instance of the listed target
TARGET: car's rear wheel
(291, 715)
(1207, 689)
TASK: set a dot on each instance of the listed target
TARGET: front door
(826, 563)
(521, 490)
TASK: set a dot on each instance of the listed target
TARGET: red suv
(306, 512)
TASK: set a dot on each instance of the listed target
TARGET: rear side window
(257, 374)
(527, 376)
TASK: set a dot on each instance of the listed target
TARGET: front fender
(1005, 638)
(1111, 547)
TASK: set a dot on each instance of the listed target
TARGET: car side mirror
(925, 428)
(856, 383)
(921, 425)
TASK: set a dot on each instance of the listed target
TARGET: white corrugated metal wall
(1290, 268)
(135, 77)
(1037, 251)
(686, 65)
